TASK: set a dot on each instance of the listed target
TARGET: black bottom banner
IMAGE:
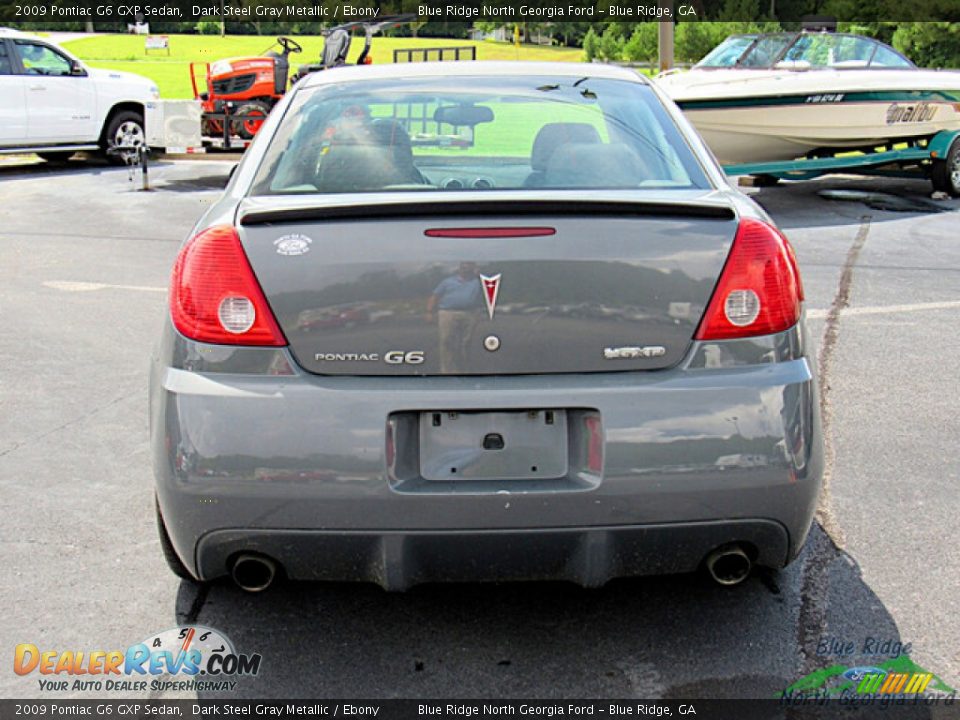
(907, 707)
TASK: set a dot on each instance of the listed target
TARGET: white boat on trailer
(784, 97)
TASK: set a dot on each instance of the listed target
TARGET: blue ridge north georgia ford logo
(294, 244)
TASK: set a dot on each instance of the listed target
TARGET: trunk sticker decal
(295, 244)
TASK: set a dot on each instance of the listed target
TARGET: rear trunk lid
(491, 285)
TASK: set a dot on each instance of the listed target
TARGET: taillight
(759, 290)
(214, 295)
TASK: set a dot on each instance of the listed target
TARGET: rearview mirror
(77, 69)
(468, 115)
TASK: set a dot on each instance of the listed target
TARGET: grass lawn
(172, 74)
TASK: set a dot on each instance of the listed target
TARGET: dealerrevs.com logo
(188, 658)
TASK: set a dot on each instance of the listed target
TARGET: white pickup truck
(53, 105)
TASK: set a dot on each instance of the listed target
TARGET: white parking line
(820, 314)
(74, 286)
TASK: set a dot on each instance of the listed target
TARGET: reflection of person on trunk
(456, 301)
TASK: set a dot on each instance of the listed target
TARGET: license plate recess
(511, 445)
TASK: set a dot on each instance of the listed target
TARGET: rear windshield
(476, 133)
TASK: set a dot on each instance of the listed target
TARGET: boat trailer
(936, 157)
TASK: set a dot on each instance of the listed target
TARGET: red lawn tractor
(246, 88)
(241, 92)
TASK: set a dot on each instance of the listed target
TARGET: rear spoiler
(477, 206)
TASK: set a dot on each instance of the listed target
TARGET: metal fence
(439, 54)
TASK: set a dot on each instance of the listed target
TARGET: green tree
(929, 44)
(611, 44)
(643, 43)
(693, 40)
(591, 46)
(208, 26)
(734, 10)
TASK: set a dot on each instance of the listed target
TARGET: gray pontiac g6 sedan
(482, 321)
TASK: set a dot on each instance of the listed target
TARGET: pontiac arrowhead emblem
(491, 288)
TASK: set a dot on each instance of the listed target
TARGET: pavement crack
(828, 344)
(84, 236)
(79, 419)
(826, 537)
(814, 597)
(193, 612)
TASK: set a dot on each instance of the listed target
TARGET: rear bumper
(724, 448)
(589, 557)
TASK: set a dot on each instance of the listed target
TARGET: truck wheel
(125, 129)
(169, 554)
(250, 117)
(945, 173)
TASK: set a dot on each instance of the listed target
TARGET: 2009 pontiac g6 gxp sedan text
(482, 321)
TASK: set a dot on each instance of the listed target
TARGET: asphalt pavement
(84, 262)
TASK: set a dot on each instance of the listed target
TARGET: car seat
(368, 157)
(586, 165)
(551, 137)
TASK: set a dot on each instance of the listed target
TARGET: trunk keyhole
(493, 441)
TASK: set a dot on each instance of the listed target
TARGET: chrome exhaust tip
(729, 565)
(253, 573)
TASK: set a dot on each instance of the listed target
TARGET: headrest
(579, 165)
(367, 157)
(553, 135)
(358, 168)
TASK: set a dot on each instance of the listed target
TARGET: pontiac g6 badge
(491, 288)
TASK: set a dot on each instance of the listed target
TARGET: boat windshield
(728, 52)
(802, 51)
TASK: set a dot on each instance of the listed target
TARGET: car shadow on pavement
(95, 166)
(677, 636)
(14, 170)
(215, 181)
(802, 204)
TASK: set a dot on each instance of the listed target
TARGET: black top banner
(336, 12)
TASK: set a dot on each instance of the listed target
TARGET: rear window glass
(476, 133)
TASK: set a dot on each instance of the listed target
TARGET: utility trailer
(173, 126)
(176, 127)
(935, 157)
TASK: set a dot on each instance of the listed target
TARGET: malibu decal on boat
(921, 112)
